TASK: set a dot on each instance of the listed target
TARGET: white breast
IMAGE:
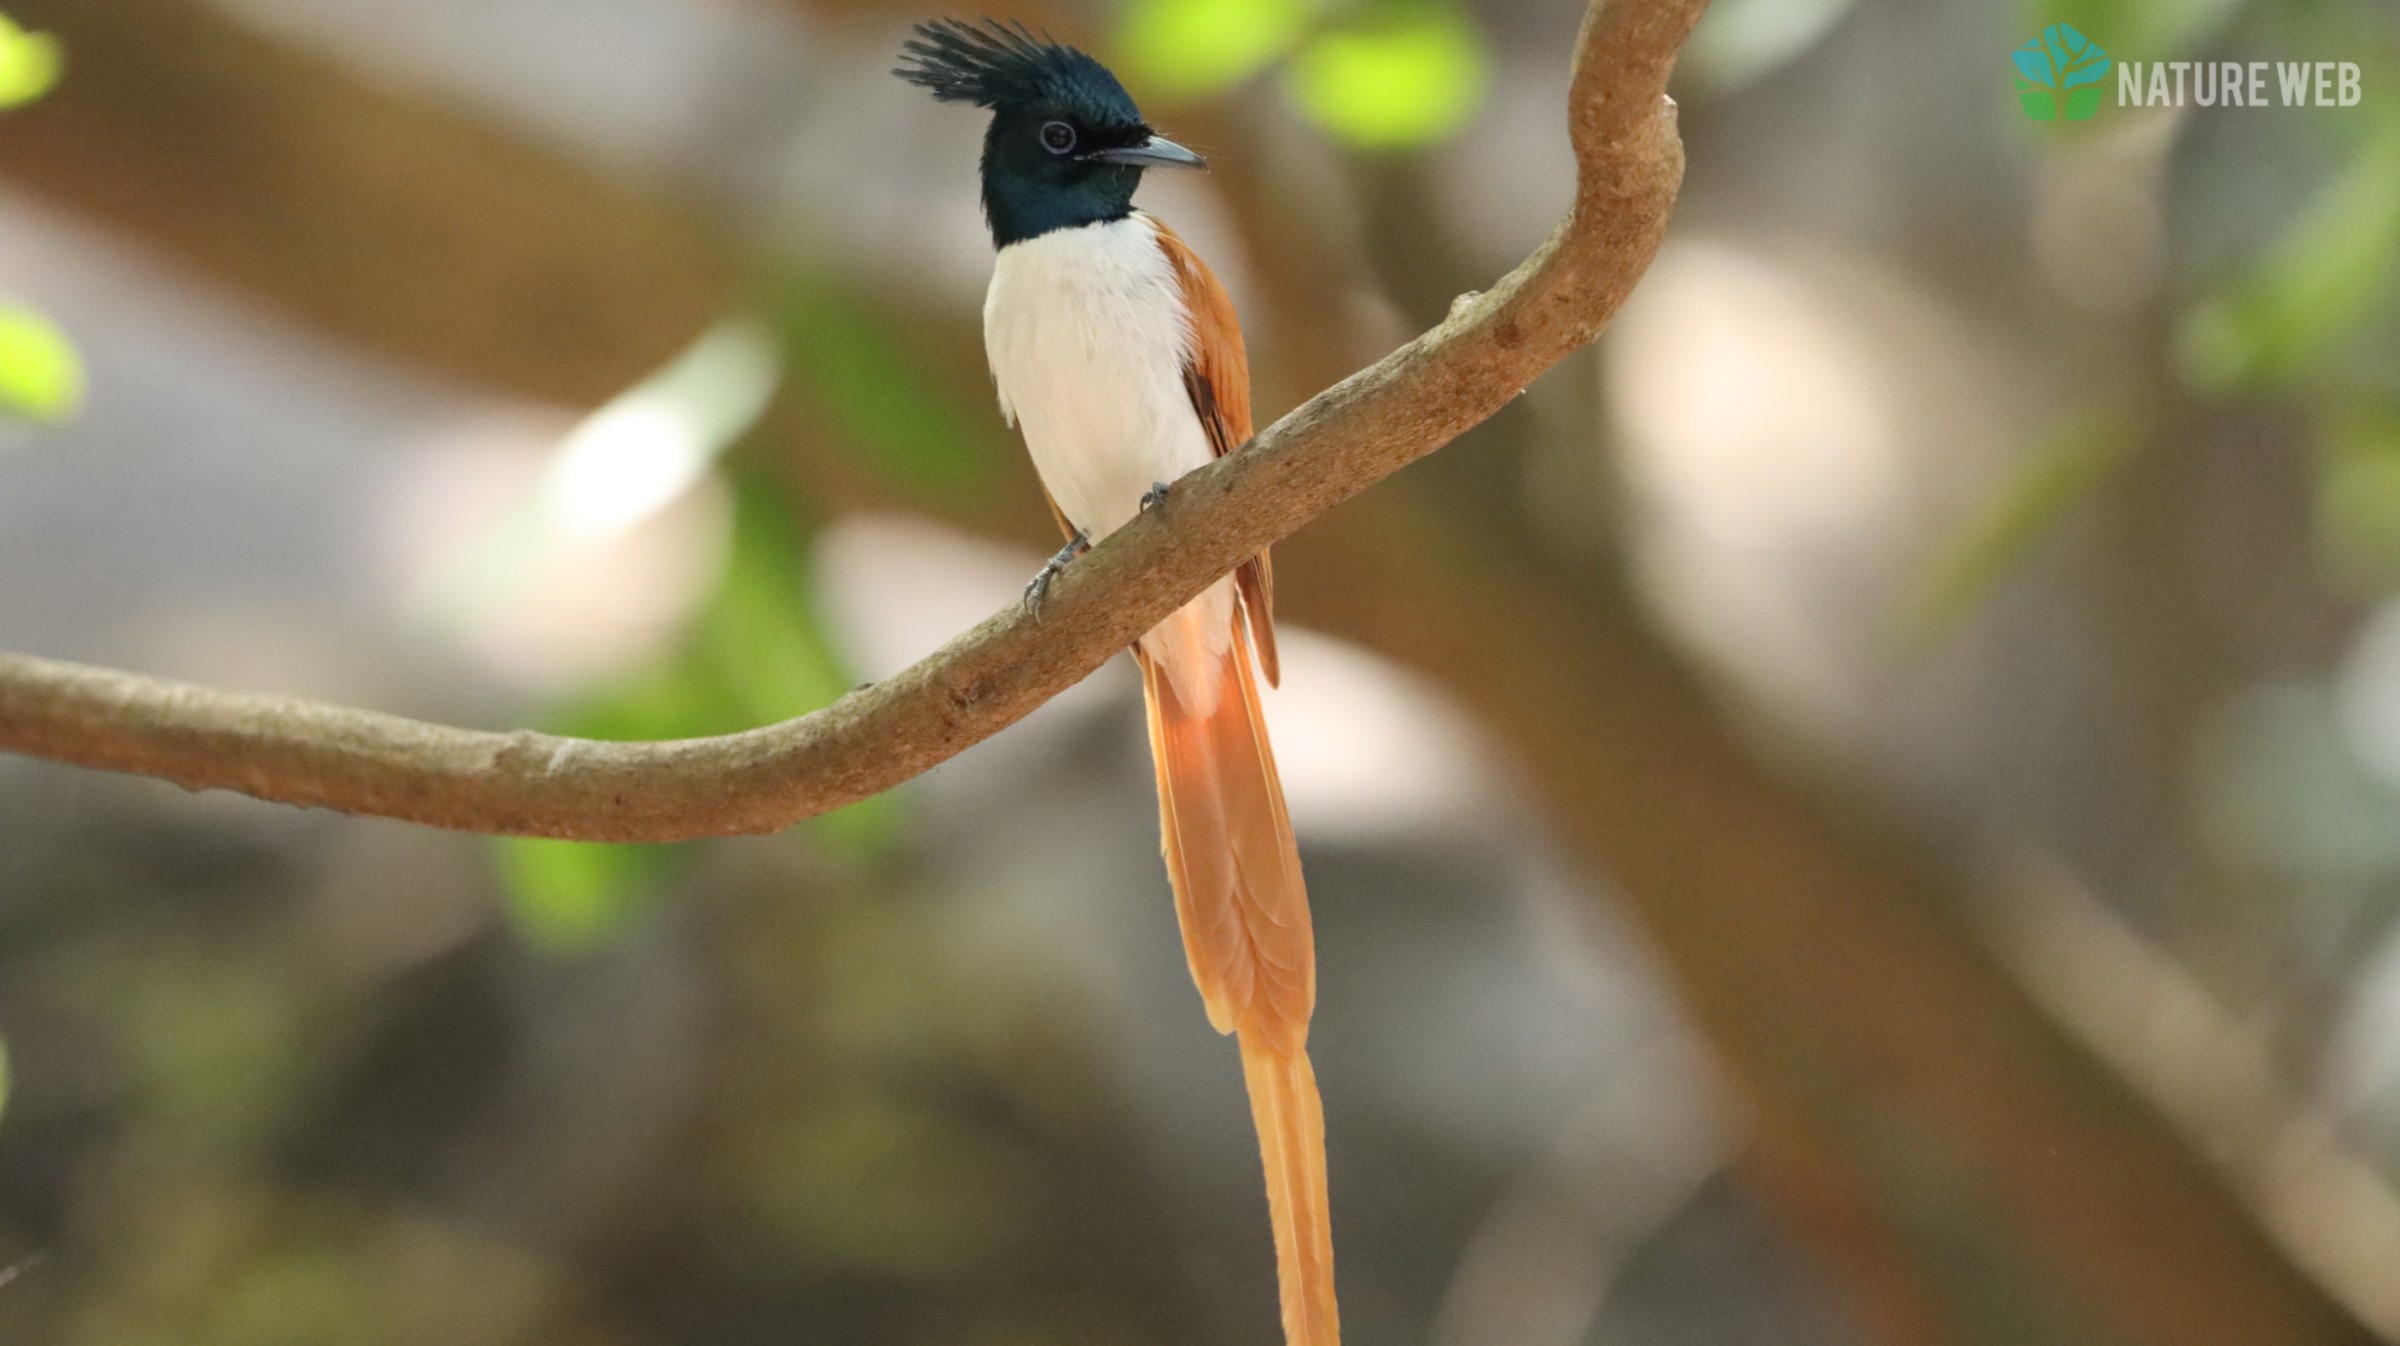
(1088, 336)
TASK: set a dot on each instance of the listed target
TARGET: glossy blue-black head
(1066, 146)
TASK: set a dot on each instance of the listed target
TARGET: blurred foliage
(211, 1038)
(623, 462)
(1413, 80)
(269, 1142)
(2060, 471)
(2140, 30)
(2358, 497)
(1187, 49)
(29, 63)
(2312, 322)
(2307, 316)
(863, 1144)
(756, 654)
(41, 376)
(571, 897)
(1391, 76)
(2281, 787)
(2330, 273)
(879, 403)
(1739, 40)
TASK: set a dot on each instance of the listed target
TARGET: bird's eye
(1057, 137)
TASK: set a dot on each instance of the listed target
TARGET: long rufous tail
(1244, 913)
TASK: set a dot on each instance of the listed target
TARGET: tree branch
(1412, 402)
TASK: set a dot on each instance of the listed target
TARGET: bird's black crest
(995, 65)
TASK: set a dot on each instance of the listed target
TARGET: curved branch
(1412, 402)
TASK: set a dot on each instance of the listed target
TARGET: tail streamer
(1244, 913)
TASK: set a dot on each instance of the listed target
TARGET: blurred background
(1862, 810)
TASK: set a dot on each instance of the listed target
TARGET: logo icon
(2058, 74)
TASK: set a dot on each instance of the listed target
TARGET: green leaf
(571, 897)
(1399, 85)
(1188, 49)
(40, 375)
(29, 63)
(2060, 472)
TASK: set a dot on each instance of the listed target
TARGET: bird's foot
(1155, 496)
(1038, 588)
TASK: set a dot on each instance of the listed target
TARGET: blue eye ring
(1058, 137)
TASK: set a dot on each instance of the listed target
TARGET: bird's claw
(1038, 588)
(1155, 496)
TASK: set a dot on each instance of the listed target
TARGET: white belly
(1087, 336)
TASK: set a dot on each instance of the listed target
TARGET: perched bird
(1118, 355)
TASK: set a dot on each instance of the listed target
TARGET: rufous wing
(1217, 375)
